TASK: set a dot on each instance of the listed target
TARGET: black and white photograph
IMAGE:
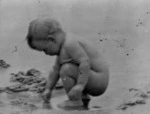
(74, 56)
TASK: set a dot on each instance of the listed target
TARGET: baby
(79, 64)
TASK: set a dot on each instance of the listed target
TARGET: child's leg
(85, 99)
(96, 86)
(69, 74)
(97, 82)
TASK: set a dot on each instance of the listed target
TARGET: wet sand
(119, 98)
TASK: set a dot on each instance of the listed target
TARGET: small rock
(3, 64)
(33, 72)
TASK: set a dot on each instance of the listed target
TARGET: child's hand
(46, 95)
(47, 105)
(75, 93)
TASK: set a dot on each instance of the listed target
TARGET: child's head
(45, 35)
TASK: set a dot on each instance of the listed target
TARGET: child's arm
(52, 80)
(78, 54)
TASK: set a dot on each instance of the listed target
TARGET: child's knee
(67, 74)
(68, 69)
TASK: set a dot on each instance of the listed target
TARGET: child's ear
(51, 38)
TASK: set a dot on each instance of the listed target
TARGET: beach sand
(119, 29)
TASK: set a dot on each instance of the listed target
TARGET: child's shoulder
(71, 40)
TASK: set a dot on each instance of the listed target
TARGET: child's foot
(86, 99)
(71, 105)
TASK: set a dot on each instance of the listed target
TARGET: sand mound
(25, 92)
(3, 64)
(137, 97)
(32, 80)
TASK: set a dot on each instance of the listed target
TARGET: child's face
(48, 45)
